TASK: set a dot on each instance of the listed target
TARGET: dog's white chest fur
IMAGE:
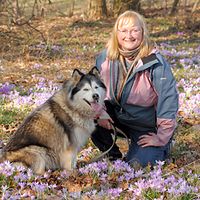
(83, 131)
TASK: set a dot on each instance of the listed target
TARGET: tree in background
(97, 9)
(129, 5)
(106, 8)
(20, 11)
(174, 7)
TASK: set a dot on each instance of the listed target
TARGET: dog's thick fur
(52, 135)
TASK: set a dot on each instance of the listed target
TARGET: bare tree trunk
(2, 1)
(71, 10)
(129, 5)
(15, 11)
(174, 7)
(116, 6)
(38, 9)
(110, 8)
(104, 8)
(185, 5)
(134, 5)
(95, 9)
(165, 7)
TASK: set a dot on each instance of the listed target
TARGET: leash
(114, 137)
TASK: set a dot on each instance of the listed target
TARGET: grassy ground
(61, 44)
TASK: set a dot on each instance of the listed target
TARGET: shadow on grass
(108, 23)
(180, 40)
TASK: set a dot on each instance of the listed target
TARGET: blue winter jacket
(149, 98)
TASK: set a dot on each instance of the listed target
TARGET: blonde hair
(128, 17)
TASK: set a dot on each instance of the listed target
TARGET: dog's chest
(84, 131)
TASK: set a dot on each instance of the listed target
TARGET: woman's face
(129, 35)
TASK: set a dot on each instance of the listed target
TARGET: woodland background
(42, 41)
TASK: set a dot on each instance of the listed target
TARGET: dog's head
(88, 92)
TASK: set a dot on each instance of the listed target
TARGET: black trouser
(102, 139)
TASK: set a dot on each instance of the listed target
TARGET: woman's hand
(151, 139)
(105, 123)
(105, 120)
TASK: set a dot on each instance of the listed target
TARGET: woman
(142, 99)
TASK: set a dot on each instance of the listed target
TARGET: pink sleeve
(105, 75)
(166, 129)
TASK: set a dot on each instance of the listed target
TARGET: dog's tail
(2, 153)
(2, 156)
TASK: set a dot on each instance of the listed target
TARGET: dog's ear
(95, 71)
(76, 75)
(77, 72)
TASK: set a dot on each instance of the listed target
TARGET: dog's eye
(85, 89)
(96, 87)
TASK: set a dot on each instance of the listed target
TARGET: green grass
(8, 116)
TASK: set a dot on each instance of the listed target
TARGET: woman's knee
(147, 155)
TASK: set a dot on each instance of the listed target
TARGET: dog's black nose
(95, 97)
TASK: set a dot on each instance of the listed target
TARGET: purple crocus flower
(6, 88)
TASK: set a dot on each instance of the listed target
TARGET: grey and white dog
(52, 135)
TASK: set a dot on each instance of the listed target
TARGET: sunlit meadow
(103, 179)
